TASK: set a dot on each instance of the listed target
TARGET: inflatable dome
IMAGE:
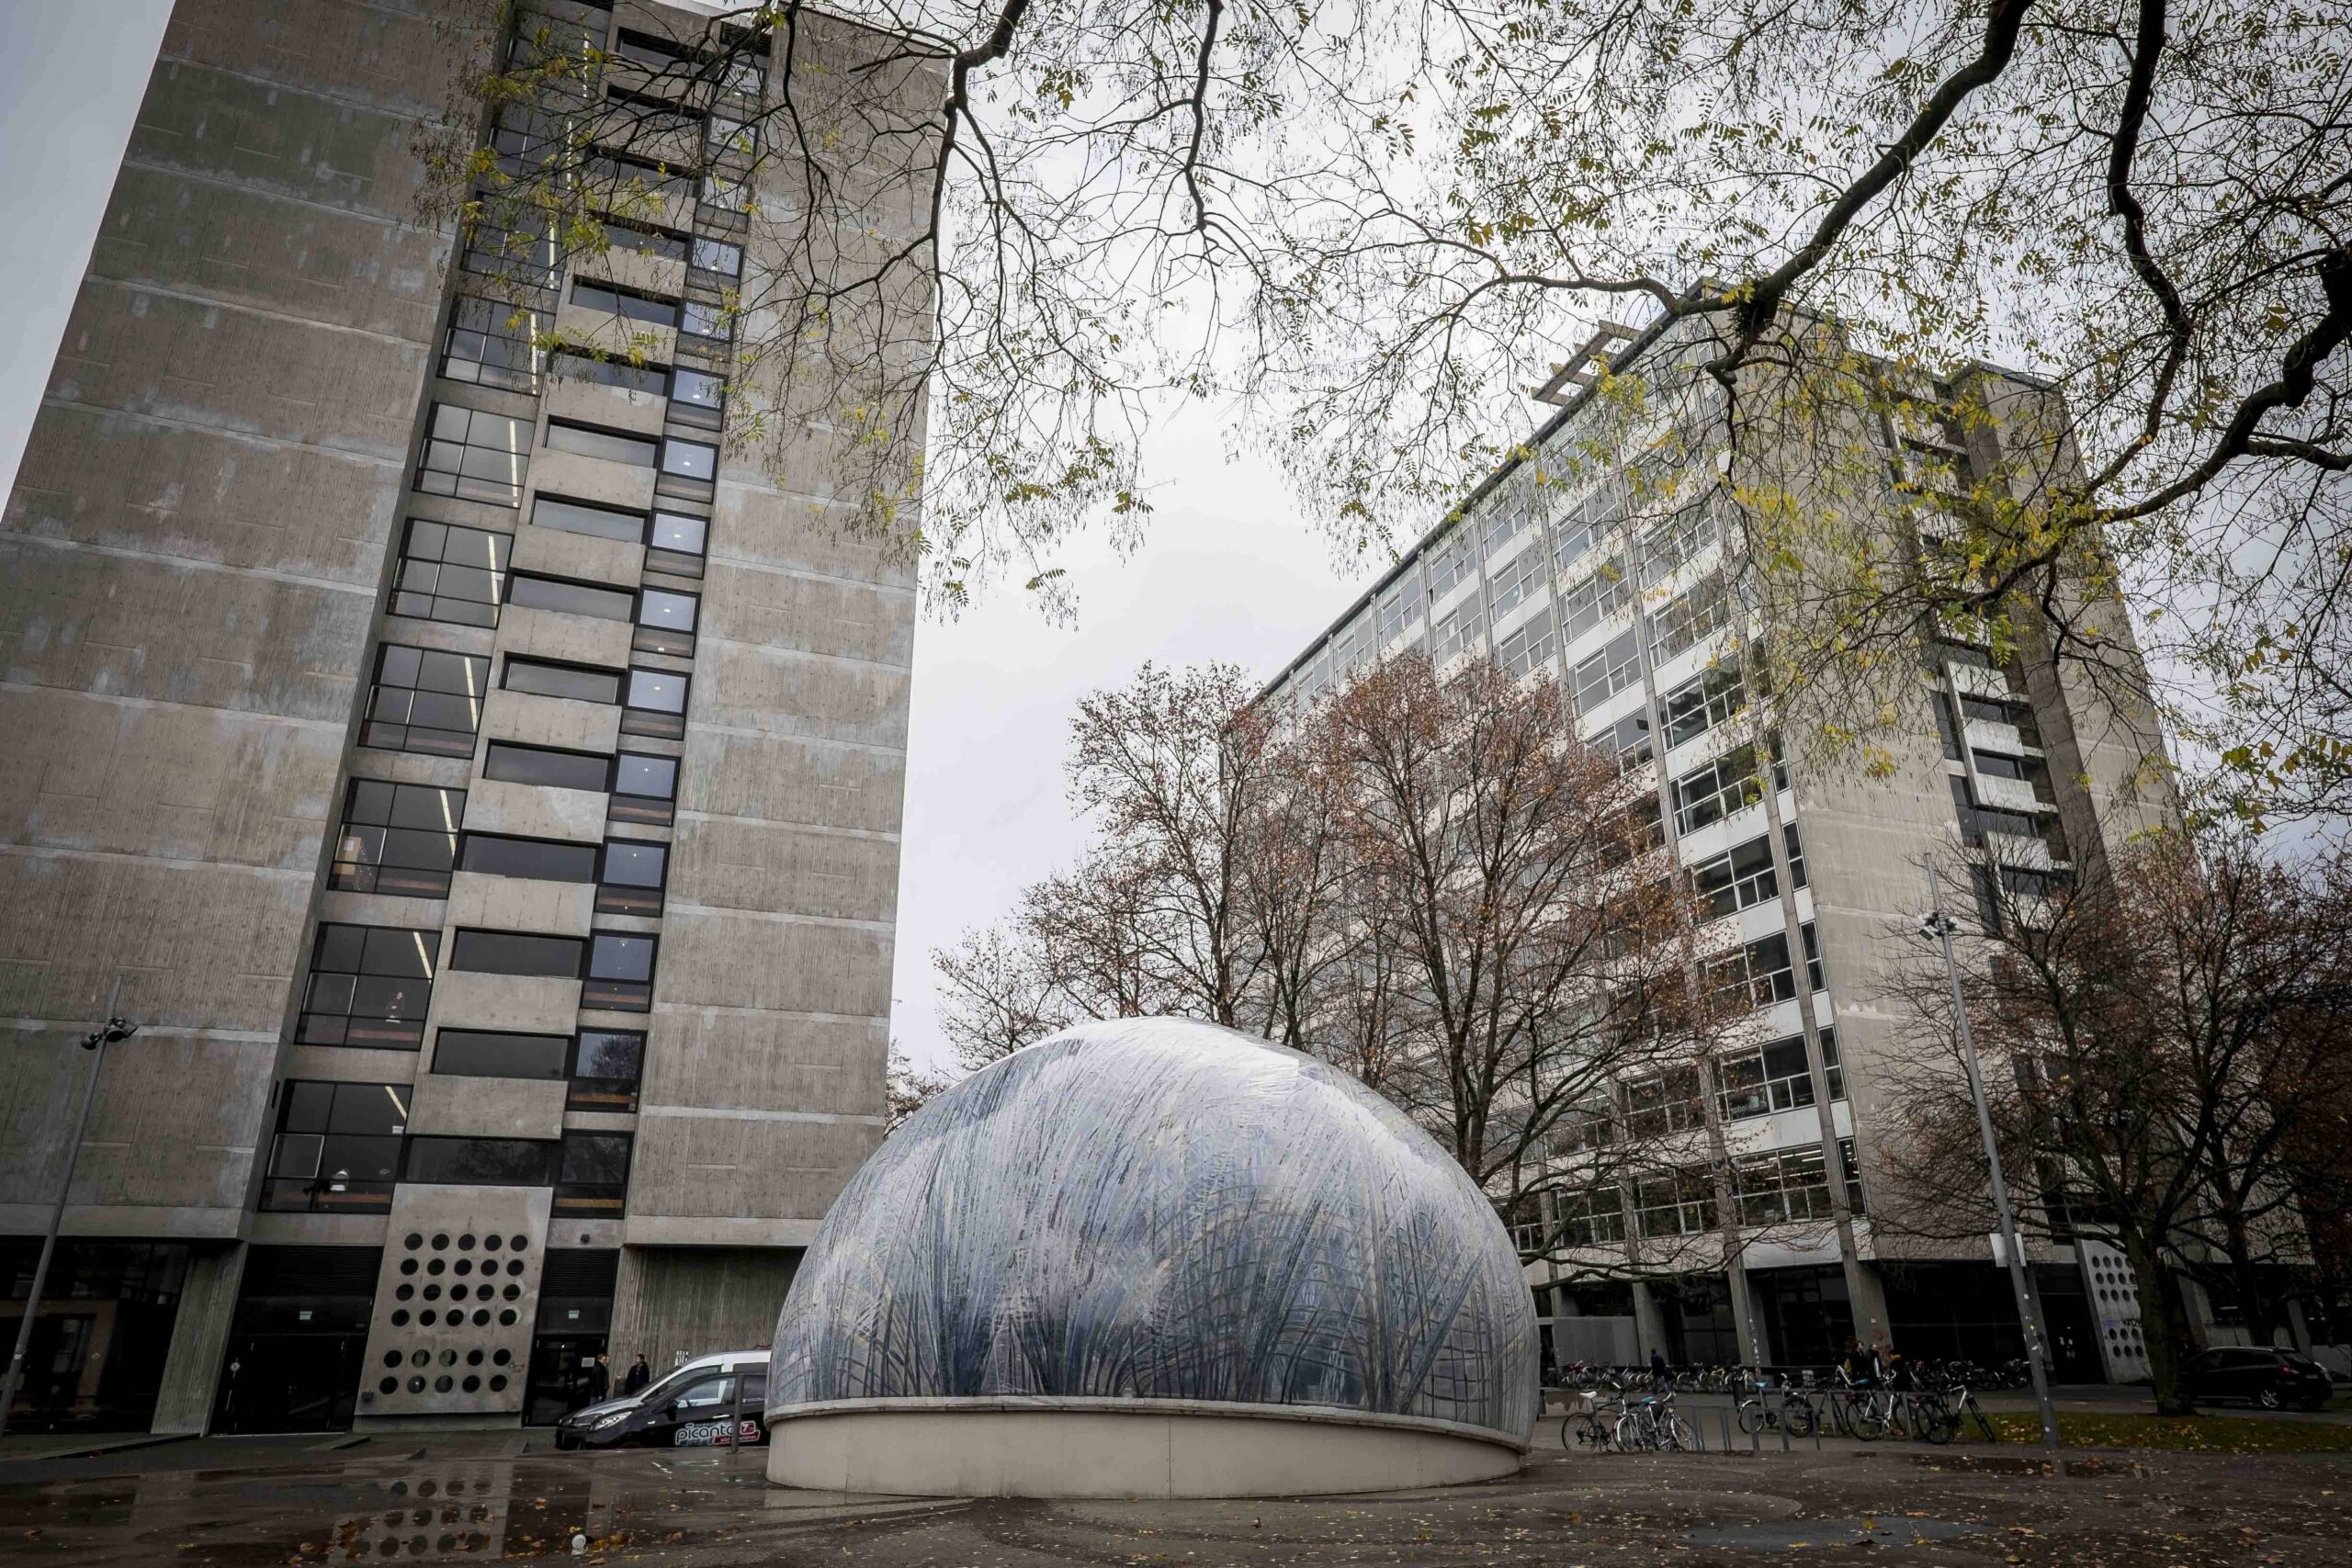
(1154, 1257)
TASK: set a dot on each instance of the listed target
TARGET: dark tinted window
(593, 1175)
(604, 1070)
(368, 986)
(614, 956)
(449, 573)
(580, 517)
(569, 598)
(626, 302)
(474, 457)
(425, 700)
(516, 953)
(618, 1053)
(511, 763)
(587, 686)
(490, 343)
(544, 860)
(337, 1148)
(397, 837)
(596, 441)
(482, 1162)
(571, 364)
(483, 1054)
(633, 863)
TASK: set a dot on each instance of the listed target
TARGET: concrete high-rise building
(1623, 580)
(483, 783)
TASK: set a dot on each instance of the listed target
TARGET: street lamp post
(96, 1040)
(1940, 926)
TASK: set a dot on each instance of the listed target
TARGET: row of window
(417, 862)
(460, 576)
(1773, 1077)
(341, 1147)
(371, 985)
(430, 701)
(1588, 594)
(469, 455)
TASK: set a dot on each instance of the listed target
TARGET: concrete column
(1744, 1306)
(2299, 1327)
(1869, 1292)
(1650, 1323)
(199, 1337)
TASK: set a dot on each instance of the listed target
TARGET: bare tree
(996, 995)
(1542, 952)
(2156, 1040)
(1172, 768)
(909, 1088)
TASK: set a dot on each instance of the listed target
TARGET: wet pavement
(491, 1498)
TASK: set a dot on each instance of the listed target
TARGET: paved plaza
(214, 1504)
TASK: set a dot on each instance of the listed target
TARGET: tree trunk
(2261, 1322)
(2161, 1326)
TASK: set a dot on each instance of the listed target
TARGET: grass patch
(2182, 1434)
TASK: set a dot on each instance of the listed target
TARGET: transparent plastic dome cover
(1160, 1209)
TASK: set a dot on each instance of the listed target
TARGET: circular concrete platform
(1110, 1448)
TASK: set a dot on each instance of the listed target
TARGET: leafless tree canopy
(2168, 1061)
(1424, 882)
(999, 236)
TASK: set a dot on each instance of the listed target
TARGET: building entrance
(1807, 1315)
(299, 1338)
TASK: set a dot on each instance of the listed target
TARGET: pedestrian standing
(600, 1381)
(639, 1374)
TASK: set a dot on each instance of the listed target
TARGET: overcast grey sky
(1228, 572)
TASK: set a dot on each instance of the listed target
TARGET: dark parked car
(2272, 1379)
(696, 1406)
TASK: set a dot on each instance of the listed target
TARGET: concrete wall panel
(128, 777)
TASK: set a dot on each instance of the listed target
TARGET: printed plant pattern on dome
(1160, 1209)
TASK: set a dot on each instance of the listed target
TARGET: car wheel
(2268, 1399)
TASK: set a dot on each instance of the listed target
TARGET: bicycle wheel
(1934, 1420)
(1866, 1420)
(1751, 1416)
(1976, 1412)
(1801, 1417)
(1680, 1433)
(1568, 1434)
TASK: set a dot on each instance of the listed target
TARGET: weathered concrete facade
(200, 575)
(1626, 595)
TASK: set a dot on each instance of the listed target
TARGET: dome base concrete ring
(1099, 1448)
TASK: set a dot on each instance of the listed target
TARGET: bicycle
(1859, 1410)
(1942, 1415)
(1584, 1429)
(1793, 1412)
(1653, 1423)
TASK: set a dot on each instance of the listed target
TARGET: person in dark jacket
(639, 1374)
(600, 1380)
(1658, 1374)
